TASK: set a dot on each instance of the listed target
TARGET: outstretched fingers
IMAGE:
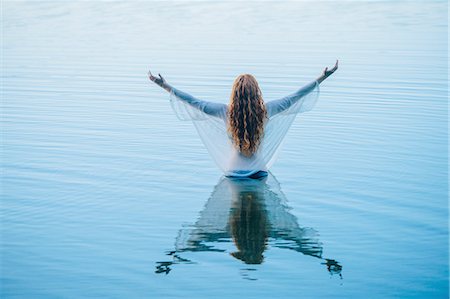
(150, 76)
(162, 78)
(336, 65)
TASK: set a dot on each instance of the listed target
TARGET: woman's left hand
(160, 81)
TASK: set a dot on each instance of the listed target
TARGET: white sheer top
(211, 119)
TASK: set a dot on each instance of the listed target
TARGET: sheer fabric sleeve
(210, 121)
(187, 107)
(300, 101)
(282, 113)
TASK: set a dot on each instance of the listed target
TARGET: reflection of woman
(248, 222)
(243, 137)
(249, 213)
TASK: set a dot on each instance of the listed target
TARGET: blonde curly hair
(247, 114)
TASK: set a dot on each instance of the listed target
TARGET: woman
(244, 136)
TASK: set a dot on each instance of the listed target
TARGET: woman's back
(212, 123)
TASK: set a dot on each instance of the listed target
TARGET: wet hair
(246, 115)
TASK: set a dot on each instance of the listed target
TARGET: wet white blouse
(210, 120)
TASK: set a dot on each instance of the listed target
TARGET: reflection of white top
(210, 120)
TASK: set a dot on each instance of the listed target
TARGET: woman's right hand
(159, 81)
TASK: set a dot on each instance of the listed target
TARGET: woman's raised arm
(277, 106)
(214, 109)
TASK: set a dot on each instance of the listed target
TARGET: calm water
(106, 194)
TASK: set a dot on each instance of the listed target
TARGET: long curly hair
(247, 114)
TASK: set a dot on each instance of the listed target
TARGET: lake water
(106, 194)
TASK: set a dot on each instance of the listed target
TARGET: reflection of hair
(247, 114)
(248, 225)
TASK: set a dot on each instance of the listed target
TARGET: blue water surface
(106, 194)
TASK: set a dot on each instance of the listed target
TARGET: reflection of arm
(277, 106)
(285, 230)
(214, 109)
(304, 240)
(211, 225)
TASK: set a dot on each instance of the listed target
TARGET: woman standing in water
(244, 136)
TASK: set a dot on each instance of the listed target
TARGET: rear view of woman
(244, 137)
